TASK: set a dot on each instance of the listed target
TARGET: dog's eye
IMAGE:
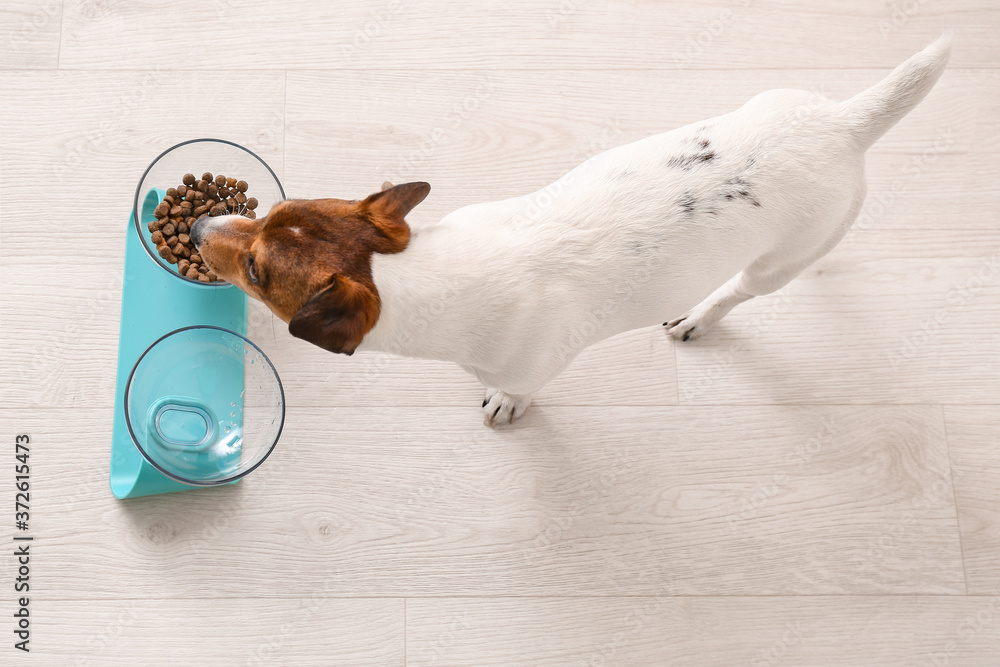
(252, 269)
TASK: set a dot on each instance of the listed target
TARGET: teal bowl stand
(154, 303)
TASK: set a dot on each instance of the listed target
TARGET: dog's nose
(198, 228)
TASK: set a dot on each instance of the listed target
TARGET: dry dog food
(193, 198)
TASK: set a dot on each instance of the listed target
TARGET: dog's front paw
(500, 408)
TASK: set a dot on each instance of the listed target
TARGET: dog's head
(310, 260)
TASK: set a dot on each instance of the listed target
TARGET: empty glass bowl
(204, 405)
(197, 157)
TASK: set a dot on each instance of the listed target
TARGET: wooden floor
(817, 482)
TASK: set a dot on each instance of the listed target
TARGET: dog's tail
(872, 112)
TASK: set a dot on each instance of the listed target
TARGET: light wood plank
(522, 34)
(973, 437)
(615, 501)
(312, 629)
(711, 632)
(29, 34)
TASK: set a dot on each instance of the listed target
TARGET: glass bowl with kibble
(196, 178)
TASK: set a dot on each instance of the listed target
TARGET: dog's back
(648, 230)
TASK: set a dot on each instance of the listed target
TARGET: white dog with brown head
(681, 226)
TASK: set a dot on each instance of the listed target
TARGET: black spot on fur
(738, 187)
(485, 401)
(687, 202)
(703, 143)
(685, 162)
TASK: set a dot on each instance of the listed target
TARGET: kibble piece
(218, 209)
(171, 192)
(230, 183)
(202, 277)
(190, 194)
(200, 211)
(211, 276)
(252, 203)
(213, 189)
(200, 185)
(154, 224)
(183, 266)
(225, 192)
(166, 254)
(231, 203)
(196, 258)
(184, 238)
(161, 209)
(188, 179)
(176, 248)
(241, 198)
(220, 180)
(242, 186)
(176, 210)
(207, 176)
(171, 241)
(250, 215)
(192, 273)
(194, 265)
(157, 237)
(168, 229)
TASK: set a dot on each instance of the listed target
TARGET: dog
(684, 225)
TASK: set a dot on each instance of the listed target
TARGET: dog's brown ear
(388, 208)
(337, 317)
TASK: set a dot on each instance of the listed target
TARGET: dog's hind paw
(501, 408)
(683, 328)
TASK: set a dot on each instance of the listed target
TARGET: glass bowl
(204, 405)
(197, 157)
